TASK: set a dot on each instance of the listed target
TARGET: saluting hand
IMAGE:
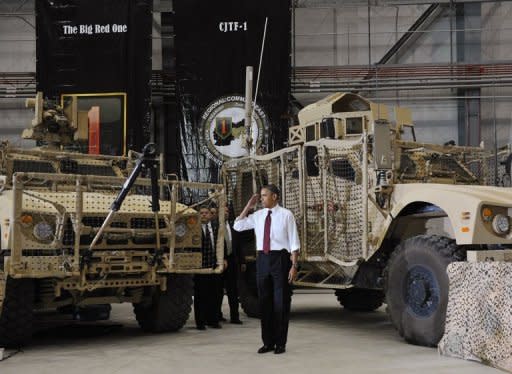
(250, 204)
(253, 200)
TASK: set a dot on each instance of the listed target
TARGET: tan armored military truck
(380, 215)
(52, 205)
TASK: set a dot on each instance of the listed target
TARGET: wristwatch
(296, 266)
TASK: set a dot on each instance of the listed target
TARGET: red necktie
(266, 233)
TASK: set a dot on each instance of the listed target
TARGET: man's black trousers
(206, 288)
(274, 293)
(229, 282)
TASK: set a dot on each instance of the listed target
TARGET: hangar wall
(460, 106)
(17, 55)
(334, 35)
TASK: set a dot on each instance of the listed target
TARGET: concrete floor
(323, 338)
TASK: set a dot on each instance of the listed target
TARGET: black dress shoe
(215, 325)
(201, 327)
(236, 322)
(266, 348)
(279, 349)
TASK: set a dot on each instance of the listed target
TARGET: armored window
(310, 133)
(69, 166)
(30, 166)
(342, 169)
(101, 121)
(354, 125)
(311, 156)
(103, 170)
(327, 128)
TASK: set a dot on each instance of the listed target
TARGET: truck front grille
(146, 223)
(97, 221)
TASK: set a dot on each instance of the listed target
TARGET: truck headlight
(43, 231)
(192, 221)
(181, 229)
(501, 224)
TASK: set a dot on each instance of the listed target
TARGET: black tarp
(98, 46)
(212, 53)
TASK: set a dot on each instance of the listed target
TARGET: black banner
(98, 46)
(216, 40)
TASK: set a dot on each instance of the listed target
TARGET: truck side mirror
(382, 145)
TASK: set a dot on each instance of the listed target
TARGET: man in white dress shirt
(277, 244)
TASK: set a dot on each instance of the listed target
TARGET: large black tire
(169, 310)
(248, 291)
(360, 299)
(416, 287)
(16, 315)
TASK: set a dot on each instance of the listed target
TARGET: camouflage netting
(340, 203)
(479, 318)
(433, 166)
(502, 162)
(282, 171)
(491, 170)
(291, 190)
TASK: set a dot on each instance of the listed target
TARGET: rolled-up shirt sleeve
(242, 224)
(293, 233)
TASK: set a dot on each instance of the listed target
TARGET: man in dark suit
(218, 279)
(206, 285)
(215, 216)
(230, 275)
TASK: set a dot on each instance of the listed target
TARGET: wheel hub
(422, 291)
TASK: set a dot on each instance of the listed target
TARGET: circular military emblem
(224, 134)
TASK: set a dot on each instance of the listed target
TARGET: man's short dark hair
(272, 188)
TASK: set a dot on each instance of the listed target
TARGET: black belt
(275, 252)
